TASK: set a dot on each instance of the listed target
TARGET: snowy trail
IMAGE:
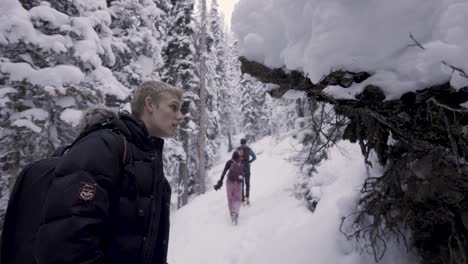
(276, 228)
(202, 231)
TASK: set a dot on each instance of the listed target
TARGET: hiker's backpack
(22, 218)
(236, 171)
(243, 154)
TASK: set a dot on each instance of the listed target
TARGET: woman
(233, 184)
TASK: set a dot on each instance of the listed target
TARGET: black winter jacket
(100, 209)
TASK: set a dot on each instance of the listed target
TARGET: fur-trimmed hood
(131, 127)
(97, 115)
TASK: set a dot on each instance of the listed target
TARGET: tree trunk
(182, 191)
(230, 147)
(201, 135)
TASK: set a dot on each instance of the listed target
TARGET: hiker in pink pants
(233, 184)
(234, 196)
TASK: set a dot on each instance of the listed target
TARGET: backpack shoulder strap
(125, 154)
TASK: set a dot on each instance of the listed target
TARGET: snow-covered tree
(54, 62)
(216, 79)
(254, 111)
(137, 29)
(201, 179)
(179, 51)
(180, 70)
(204, 43)
(217, 48)
(230, 112)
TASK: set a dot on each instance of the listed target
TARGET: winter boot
(246, 201)
(234, 218)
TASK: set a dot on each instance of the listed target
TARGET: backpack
(243, 154)
(23, 214)
(236, 171)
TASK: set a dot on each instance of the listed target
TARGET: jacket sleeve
(75, 217)
(226, 168)
(252, 155)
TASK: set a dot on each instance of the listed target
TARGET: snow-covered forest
(357, 110)
(59, 58)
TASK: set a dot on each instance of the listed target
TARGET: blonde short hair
(153, 89)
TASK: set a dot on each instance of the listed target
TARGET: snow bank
(374, 36)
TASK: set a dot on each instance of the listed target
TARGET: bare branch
(416, 42)
(459, 70)
(433, 100)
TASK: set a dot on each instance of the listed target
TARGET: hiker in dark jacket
(233, 185)
(110, 200)
(247, 156)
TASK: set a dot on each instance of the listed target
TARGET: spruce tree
(138, 31)
(252, 106)
(54, 62)
(230, 96)
(180, 70)
(215, 77)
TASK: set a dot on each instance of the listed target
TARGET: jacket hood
(97, 116)
(131, 127)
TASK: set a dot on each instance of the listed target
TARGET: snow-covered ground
(276, 227)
